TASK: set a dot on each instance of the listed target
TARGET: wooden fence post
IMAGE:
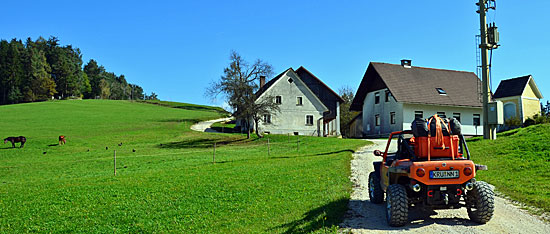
(114, 161)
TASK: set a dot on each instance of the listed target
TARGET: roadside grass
(170, 183)
(518, 162)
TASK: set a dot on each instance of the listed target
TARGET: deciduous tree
(238, 85)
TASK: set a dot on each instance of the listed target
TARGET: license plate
(444, 174)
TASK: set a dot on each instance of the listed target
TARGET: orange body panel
(432, 165)
(421, 147)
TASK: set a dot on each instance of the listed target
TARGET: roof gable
(420, 85)
(534, 88)
(512, 87)
(319, 89)
(291, 74)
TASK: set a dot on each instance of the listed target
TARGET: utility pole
(487, 42)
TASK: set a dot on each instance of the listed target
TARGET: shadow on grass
(312, 155)
(191, 121)
(224, 130)
(322, 217)
(190, 107)
(200, 143)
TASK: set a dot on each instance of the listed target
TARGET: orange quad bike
(429, 166)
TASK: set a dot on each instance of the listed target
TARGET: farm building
(391, 96)
(520, 97)
(307, 105)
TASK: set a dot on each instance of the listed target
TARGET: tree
(39, 85)
(105, 89)
(238, 85)
(37, 70)
(153, 96)
(346, 116)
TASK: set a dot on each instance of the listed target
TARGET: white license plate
(444, 174)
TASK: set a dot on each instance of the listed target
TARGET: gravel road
(366, 217)
(205, 125)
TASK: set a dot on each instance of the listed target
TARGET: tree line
(43, 69)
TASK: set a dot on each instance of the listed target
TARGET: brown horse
(14, 140)
(62, 140)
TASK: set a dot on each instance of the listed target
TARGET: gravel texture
(204, 126)
(366, 217)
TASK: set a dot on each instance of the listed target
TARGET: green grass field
(519, 164)
(169, 184)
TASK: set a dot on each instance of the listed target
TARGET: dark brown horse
(62, 140)
(14, 140)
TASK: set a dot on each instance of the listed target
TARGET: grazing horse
(14, 140)
(62, 140)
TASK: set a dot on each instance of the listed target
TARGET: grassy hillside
(519, 163)
(169, 184)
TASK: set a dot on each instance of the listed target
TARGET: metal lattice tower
(478, 66)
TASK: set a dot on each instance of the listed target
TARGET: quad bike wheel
(397, 205)
(375, 191)
(480, 202)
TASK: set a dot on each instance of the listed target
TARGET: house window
(477, 120)
(377, 120)
(290, 80)
(441, 115)
(309, 120)
(388, 95)
(456, 116)
(418, 114)
(267, 119)
(278, 99)
(441, 91)
(299, 101)
(376, 98)
(392, 117)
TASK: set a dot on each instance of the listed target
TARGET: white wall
(292, 118)
(383, 108)
(466, 116)
(404, 114)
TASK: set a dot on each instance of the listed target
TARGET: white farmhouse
(391, 96)
(307, 105)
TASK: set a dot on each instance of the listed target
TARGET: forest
(43, 69)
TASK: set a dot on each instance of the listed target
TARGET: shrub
(513, 122)
(528, 122)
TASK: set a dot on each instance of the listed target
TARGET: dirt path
(204, 126)
(366, 217)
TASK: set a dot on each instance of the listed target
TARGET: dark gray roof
(419, 85)
(511, 87)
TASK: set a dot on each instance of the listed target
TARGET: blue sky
(177, 48)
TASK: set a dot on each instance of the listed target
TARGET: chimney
(262, 81)
(406, 63)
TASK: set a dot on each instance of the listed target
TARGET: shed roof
(515, 87)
